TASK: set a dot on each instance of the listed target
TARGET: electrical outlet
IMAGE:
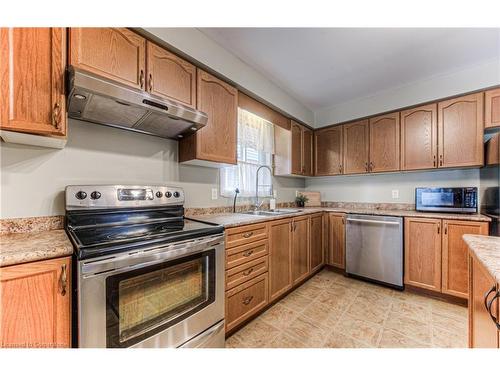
(395, 194)
(214, 193)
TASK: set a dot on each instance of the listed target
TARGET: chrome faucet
(257, 204)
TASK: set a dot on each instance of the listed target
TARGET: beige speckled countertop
(487, 251)
(229, 220)
(19, 248)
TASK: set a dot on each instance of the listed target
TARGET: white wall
(33, 179)
(197, 45)
(474, 78)
(377, 188)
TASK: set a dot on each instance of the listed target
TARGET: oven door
(160, 297)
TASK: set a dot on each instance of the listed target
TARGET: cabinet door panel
(328, 151)
(300, 246)
(455, 250)
(32, 64)
(492, 108)
(419, 138)
(336, 240)
(115, 53)
(460, 131)
(307, 152)
(35, 313)
(297, 148)
(169, 76)
(384, 143)
(280, 257)
(317, 247)
(356, 145)
(423, 253)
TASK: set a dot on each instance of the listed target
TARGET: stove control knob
(95, 195)
(81, 195)
(168, 194)
(159, 194)
(176, 194)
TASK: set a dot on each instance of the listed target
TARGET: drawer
(246, 253)
(245, 272)
(246, 300)
(245, 234)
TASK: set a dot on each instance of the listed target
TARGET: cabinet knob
(247, 300)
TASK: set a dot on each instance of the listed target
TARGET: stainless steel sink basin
(271, 213)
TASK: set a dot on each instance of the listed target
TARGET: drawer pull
(56, 115)
(490, 304)
(492, 289)
(248, 253)
(247, 300)
(248, 272)
(248, 235)
(63, 280)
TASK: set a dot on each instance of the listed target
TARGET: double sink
(271, 213)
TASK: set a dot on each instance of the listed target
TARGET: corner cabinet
(216, 141)
(384, 143)
(36, 304)
(32, 66)
(460, 131)
(356, 147)
(492, 108)
(328, 151)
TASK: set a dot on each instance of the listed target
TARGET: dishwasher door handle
(374, 221)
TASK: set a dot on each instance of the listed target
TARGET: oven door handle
(146, 257)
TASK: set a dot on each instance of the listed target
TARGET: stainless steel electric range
(144, 275)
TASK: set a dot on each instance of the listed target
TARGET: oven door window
(143, 302)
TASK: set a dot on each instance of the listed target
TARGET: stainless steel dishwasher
(374, 248)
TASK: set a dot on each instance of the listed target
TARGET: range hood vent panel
(102, 101)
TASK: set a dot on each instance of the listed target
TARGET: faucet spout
(257, 204)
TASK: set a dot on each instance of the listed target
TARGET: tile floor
(332, 311)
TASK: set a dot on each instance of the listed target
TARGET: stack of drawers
(247, 263)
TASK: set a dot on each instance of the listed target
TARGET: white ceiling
(321, 67)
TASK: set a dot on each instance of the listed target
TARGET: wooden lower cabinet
(317, 242)
(280, 257)
(483, 332)
(454, 279)
(300, 248)
(36, 304)
(336, 240)
(245, 300)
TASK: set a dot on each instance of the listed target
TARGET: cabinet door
(32, 64)
(316, 244)
(216, 141)
(328, 151)
(454, 259)
(35, 305)
(280, 257)
(307, 159)
(356, 145)
(384, 143)
(419, 138)
(483, 332)
(492, 108)
(460, 131)
(297, 148)
(169, 76)
(336, 240)
(300, 246)
(112, 52)
(423, 253)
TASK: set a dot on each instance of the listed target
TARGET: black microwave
(461, 200)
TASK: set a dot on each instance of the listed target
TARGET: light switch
(214, 193)
(395, 194)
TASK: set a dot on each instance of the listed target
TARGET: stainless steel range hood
(102, 101)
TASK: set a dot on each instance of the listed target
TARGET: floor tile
(393, 339)
(338, 340)
(445, 339)
(279, 316)
(322, 314)
(284, 340)
(295, 302)
(414, 329)
(415, 311)
(308, 332)
(371, 311)
(256, 334)
(359, 329)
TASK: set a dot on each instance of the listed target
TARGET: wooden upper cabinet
(460, 131)
(300, 248)
(297, 148)
(115, 53)
(423, 253)
(356, 146)
(336, 240)
(454, 258)
(384, 143)
(32, 65)
(36, 304)
(419, 138)
(169, 76)
(216, 141)
(317, 242)
(307, 153)
(280, 257)
(492, 108)
(328, 151)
